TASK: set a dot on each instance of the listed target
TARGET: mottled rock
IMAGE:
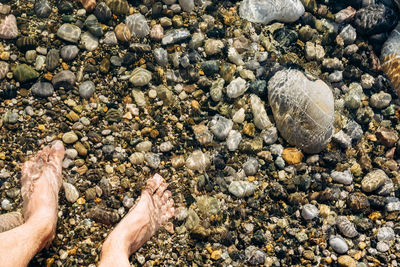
(65, 78)
(346, 227)
(69, 32)
(140, 77)
(241, 189)
(309, 212)
(390, 58)
(4, 68)
(236, 88)
(8, 27)
(375, 19)
(261, 120)
(175, 36)
(303, 109)
(345, 177)
(86, 89)
(220, 126)
(42, 8)
(137, 25)
(102, 12)
(198, 161)
(52, 59)
(265, 11)
(24, 73)
(71, 193)
(69, 52)
(89, 41)
(42, 89)
(233, 140)
(373, 180)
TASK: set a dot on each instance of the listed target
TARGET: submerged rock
(390, 58)
(265, 11)
(303, 109)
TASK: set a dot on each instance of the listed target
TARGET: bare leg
(41, 181)
(154, 208)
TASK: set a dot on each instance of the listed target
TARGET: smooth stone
(309, 212)
(289, 92)
(338, 244)
(152, 159)
(110, 38)
(89, 41)
(52, 59)
(122, 32)
(42, 8)
(261, 120)
(241, 189)
(24, 73)
(198, 161)
(69, 52)
(118, 7)
(102, 12)
(86, 89)
(42, 89)
(69, 32)
(380, 100)
(345, 177)
(140, 77)
(390, 58)
(92, 24)
(65, 78)
(71, 193)
(373, 180)
(265, 11)
(69, 137)
(137, 25)
(9, 28)
(255, 256)
(270, 135)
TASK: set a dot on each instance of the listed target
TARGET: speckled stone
(69, 52)
(137, 25)
(69, 32)
(140, 77)
(8, 27)
(4, 68)
(373, 180)
(24, 73)
(65, 78)
(42, 89)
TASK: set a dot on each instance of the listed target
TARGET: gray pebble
(71, 193)
(86, 89)
(42, 89)
(309, 212)
(220, 126)
(345, 177)
(338, 244)
(241, 189)
(251, 166)
(69, 52)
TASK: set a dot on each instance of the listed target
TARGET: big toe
(57, 152)
(154, 183)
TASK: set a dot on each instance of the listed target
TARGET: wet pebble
(52, 59)
(69, 52)
(71, 193)
(220, 126)
(233, 140)
(86, 89)
(140, 77)
(373, 180)
(251, 166)
(137, 25)
(9, 28)
(309, 212)
(65, 78)
(42, 8)
(241, 189)
(42, 89)
(345, 177)
(346, 227)
(198, 161)
(338, 244)
(69, 32)
(69, 137)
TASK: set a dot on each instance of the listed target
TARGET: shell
(346, 227)
(390, 58)
(265, 11)
(118, 7)
(303, 109)
(8, 27)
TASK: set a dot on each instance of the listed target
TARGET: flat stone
(42, 89)
(69, 32)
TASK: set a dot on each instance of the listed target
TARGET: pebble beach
(275, 123)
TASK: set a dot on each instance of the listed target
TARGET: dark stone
(258, 87)
(375, 19)
(210, 67)
(65, 7)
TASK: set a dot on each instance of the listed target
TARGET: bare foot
(154, 208)
(41, 181)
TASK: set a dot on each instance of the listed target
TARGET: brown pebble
(122, 32)
(292, 155)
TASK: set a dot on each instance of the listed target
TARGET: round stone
(338, 244)
(42, 89)
(69, 52)
(303, 109)
(309, 212)
(140, 77)
(69, 32)
(69, 137)
(373, 180)
(86, 89)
